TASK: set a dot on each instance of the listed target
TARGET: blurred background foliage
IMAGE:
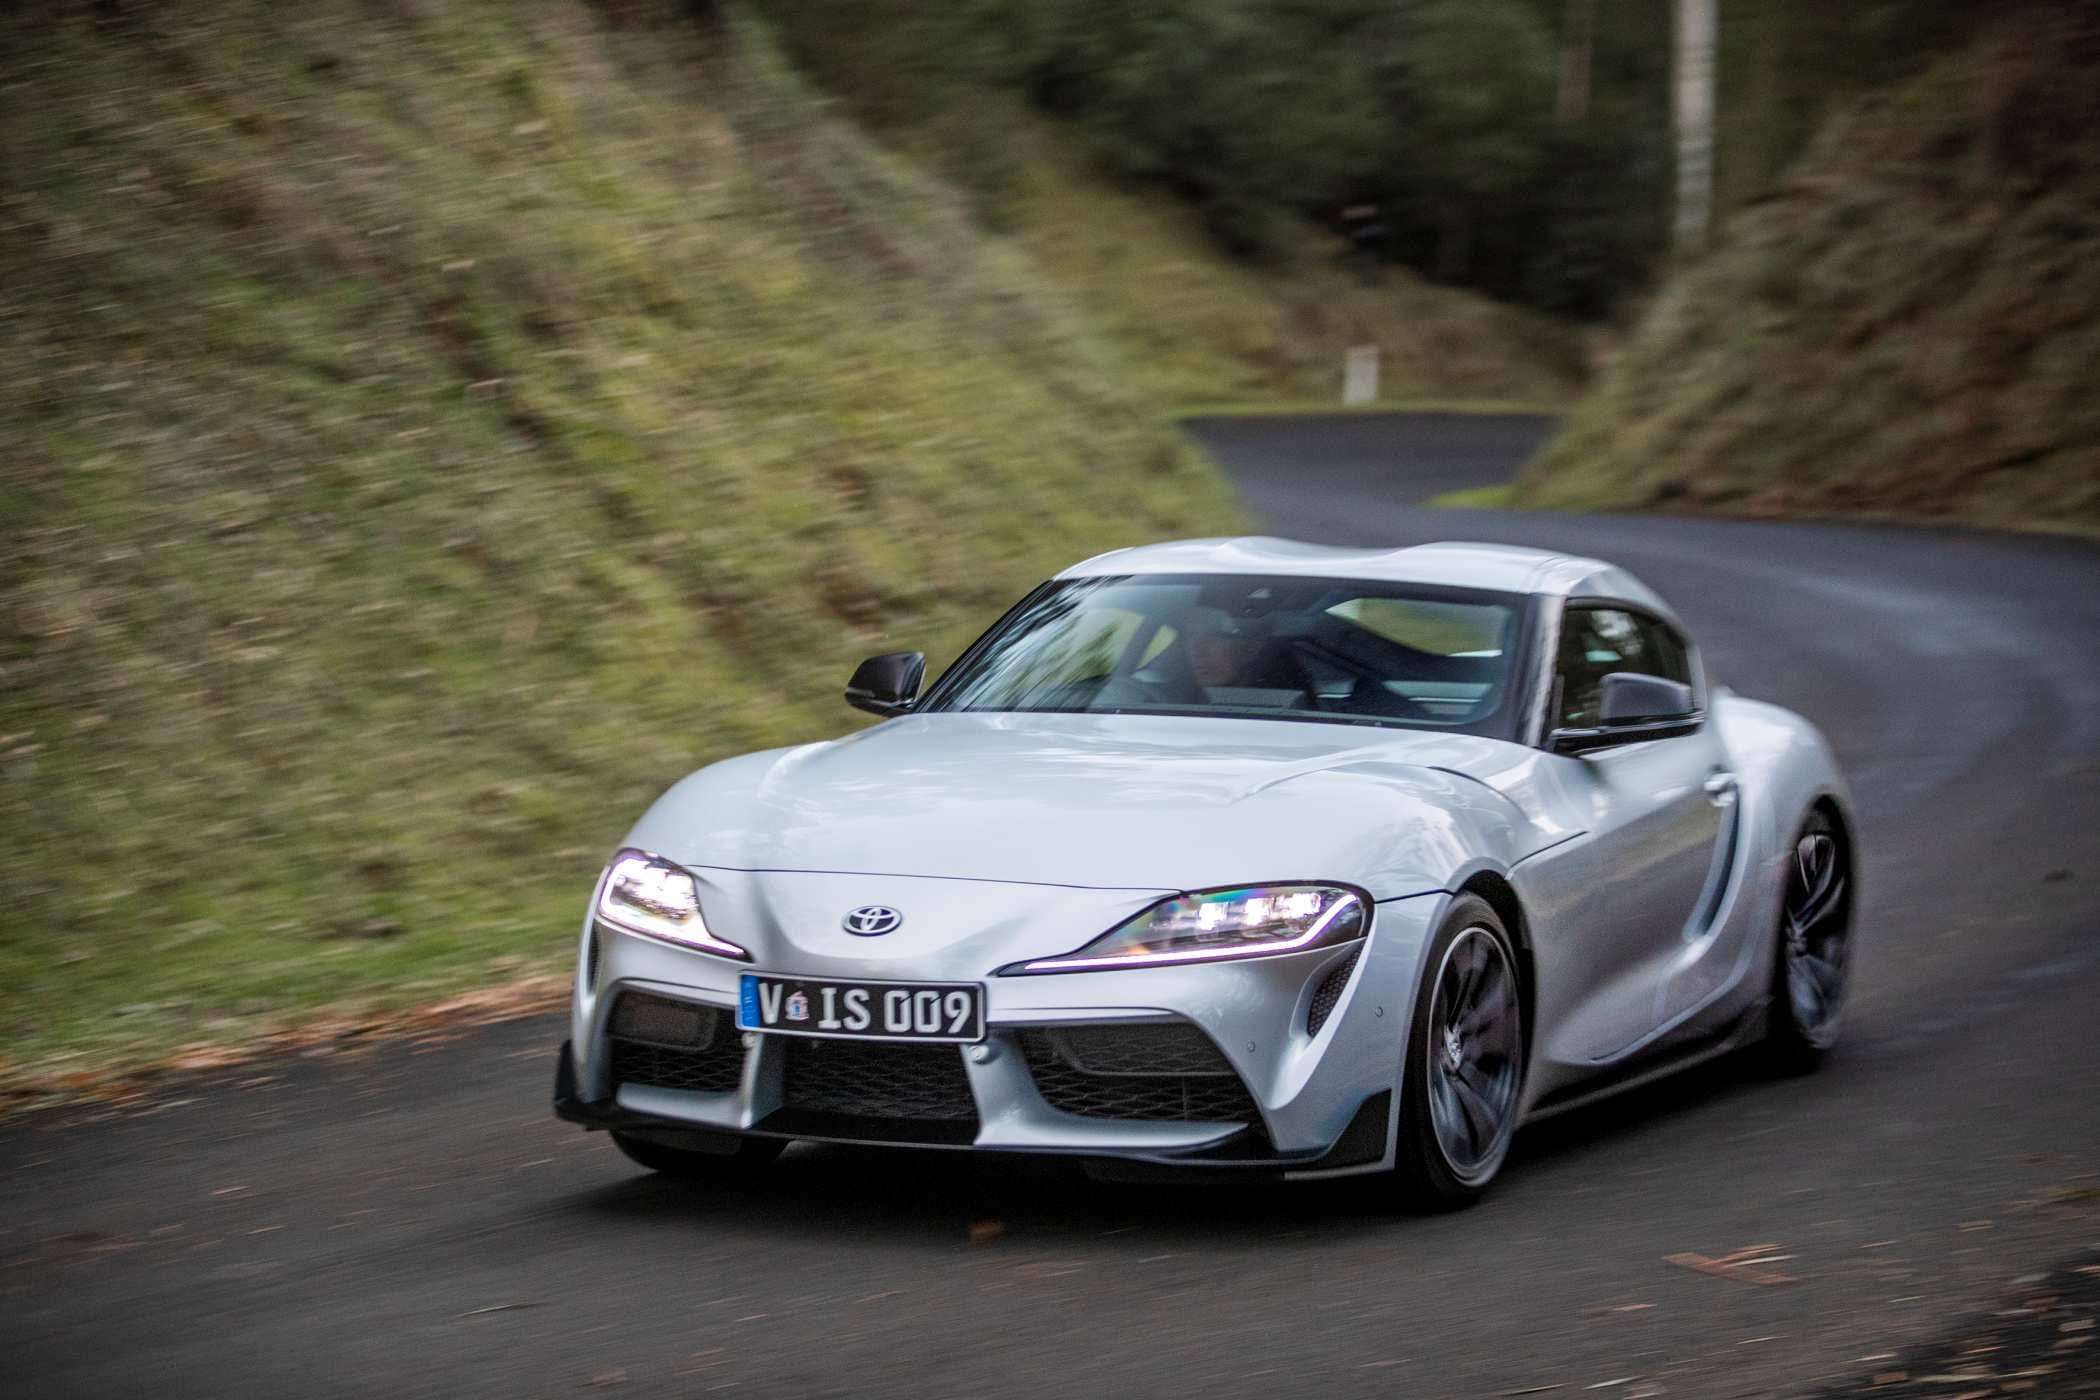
(1448, 116)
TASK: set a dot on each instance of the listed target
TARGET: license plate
(951, 1012)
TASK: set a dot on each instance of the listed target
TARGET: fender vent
(1328, 993)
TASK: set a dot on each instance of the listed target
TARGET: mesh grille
(870, 1080)
(667, 1044)
(714, 1070)
(1203, 1097)
(1327, 994)
(1136, 1050)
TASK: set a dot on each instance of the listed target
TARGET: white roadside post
(1698, 24)
(1360, 376)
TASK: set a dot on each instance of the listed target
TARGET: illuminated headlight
(1220, 925)
(650, 896)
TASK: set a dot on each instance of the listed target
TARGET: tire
(743, 1156)
(1461, 1088)
(1812, 949)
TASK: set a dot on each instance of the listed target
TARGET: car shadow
(873, 1193)
(1608, 1122)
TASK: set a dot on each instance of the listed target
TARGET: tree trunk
(1578, 40)
(1697, 21)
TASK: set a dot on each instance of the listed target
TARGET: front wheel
(1464, 1067)
(740, 1155)
(1813, 960)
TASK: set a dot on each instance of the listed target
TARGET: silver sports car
(1238, 854)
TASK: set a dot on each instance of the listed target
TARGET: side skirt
(1646, 1069)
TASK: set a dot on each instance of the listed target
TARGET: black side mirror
(888, 684)
(1630, 699)
(1632, 709)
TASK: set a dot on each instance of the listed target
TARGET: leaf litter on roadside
(1745, 1265)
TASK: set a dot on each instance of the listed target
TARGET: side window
(1594, 642)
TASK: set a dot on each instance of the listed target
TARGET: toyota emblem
(872, 921)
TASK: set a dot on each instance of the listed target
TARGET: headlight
(650, 896)
(1220, 925)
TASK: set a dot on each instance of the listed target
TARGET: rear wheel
(1813, 960)
(738, 1155)
(1464, 1068)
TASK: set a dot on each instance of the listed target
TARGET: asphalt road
(415, 1223)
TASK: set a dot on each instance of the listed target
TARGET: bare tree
(1697, 25)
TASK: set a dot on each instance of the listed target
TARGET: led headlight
(1220, 925)
(650, 896)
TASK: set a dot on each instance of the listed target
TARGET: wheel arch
(1833, 805)
(1501, 896)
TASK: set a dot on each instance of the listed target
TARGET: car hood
(1108, 802)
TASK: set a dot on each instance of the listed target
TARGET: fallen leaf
(1738, 1265)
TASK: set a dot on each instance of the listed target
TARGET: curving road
(416, 1223)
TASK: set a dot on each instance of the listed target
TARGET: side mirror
(1632, 709)
(1630, 699)
(888, 684)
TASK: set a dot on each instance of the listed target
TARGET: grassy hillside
(433, 428)
(1139, 261)
(1907, 327)
(1205, 328)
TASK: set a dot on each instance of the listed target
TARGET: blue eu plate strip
(747, 1003)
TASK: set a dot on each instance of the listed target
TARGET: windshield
(1249, 646)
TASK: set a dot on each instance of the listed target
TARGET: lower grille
(1327, 994)
(1161, 1072)
(920, 1083)
(665, 1044)
(711, 1071)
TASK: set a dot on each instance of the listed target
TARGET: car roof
(1500, 568)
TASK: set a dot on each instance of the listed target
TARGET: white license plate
(951, 1012)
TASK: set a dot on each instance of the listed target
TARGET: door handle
(1720, 786)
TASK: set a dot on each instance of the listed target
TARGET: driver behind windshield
(1222, 649)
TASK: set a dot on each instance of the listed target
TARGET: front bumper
(1318, 1089)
